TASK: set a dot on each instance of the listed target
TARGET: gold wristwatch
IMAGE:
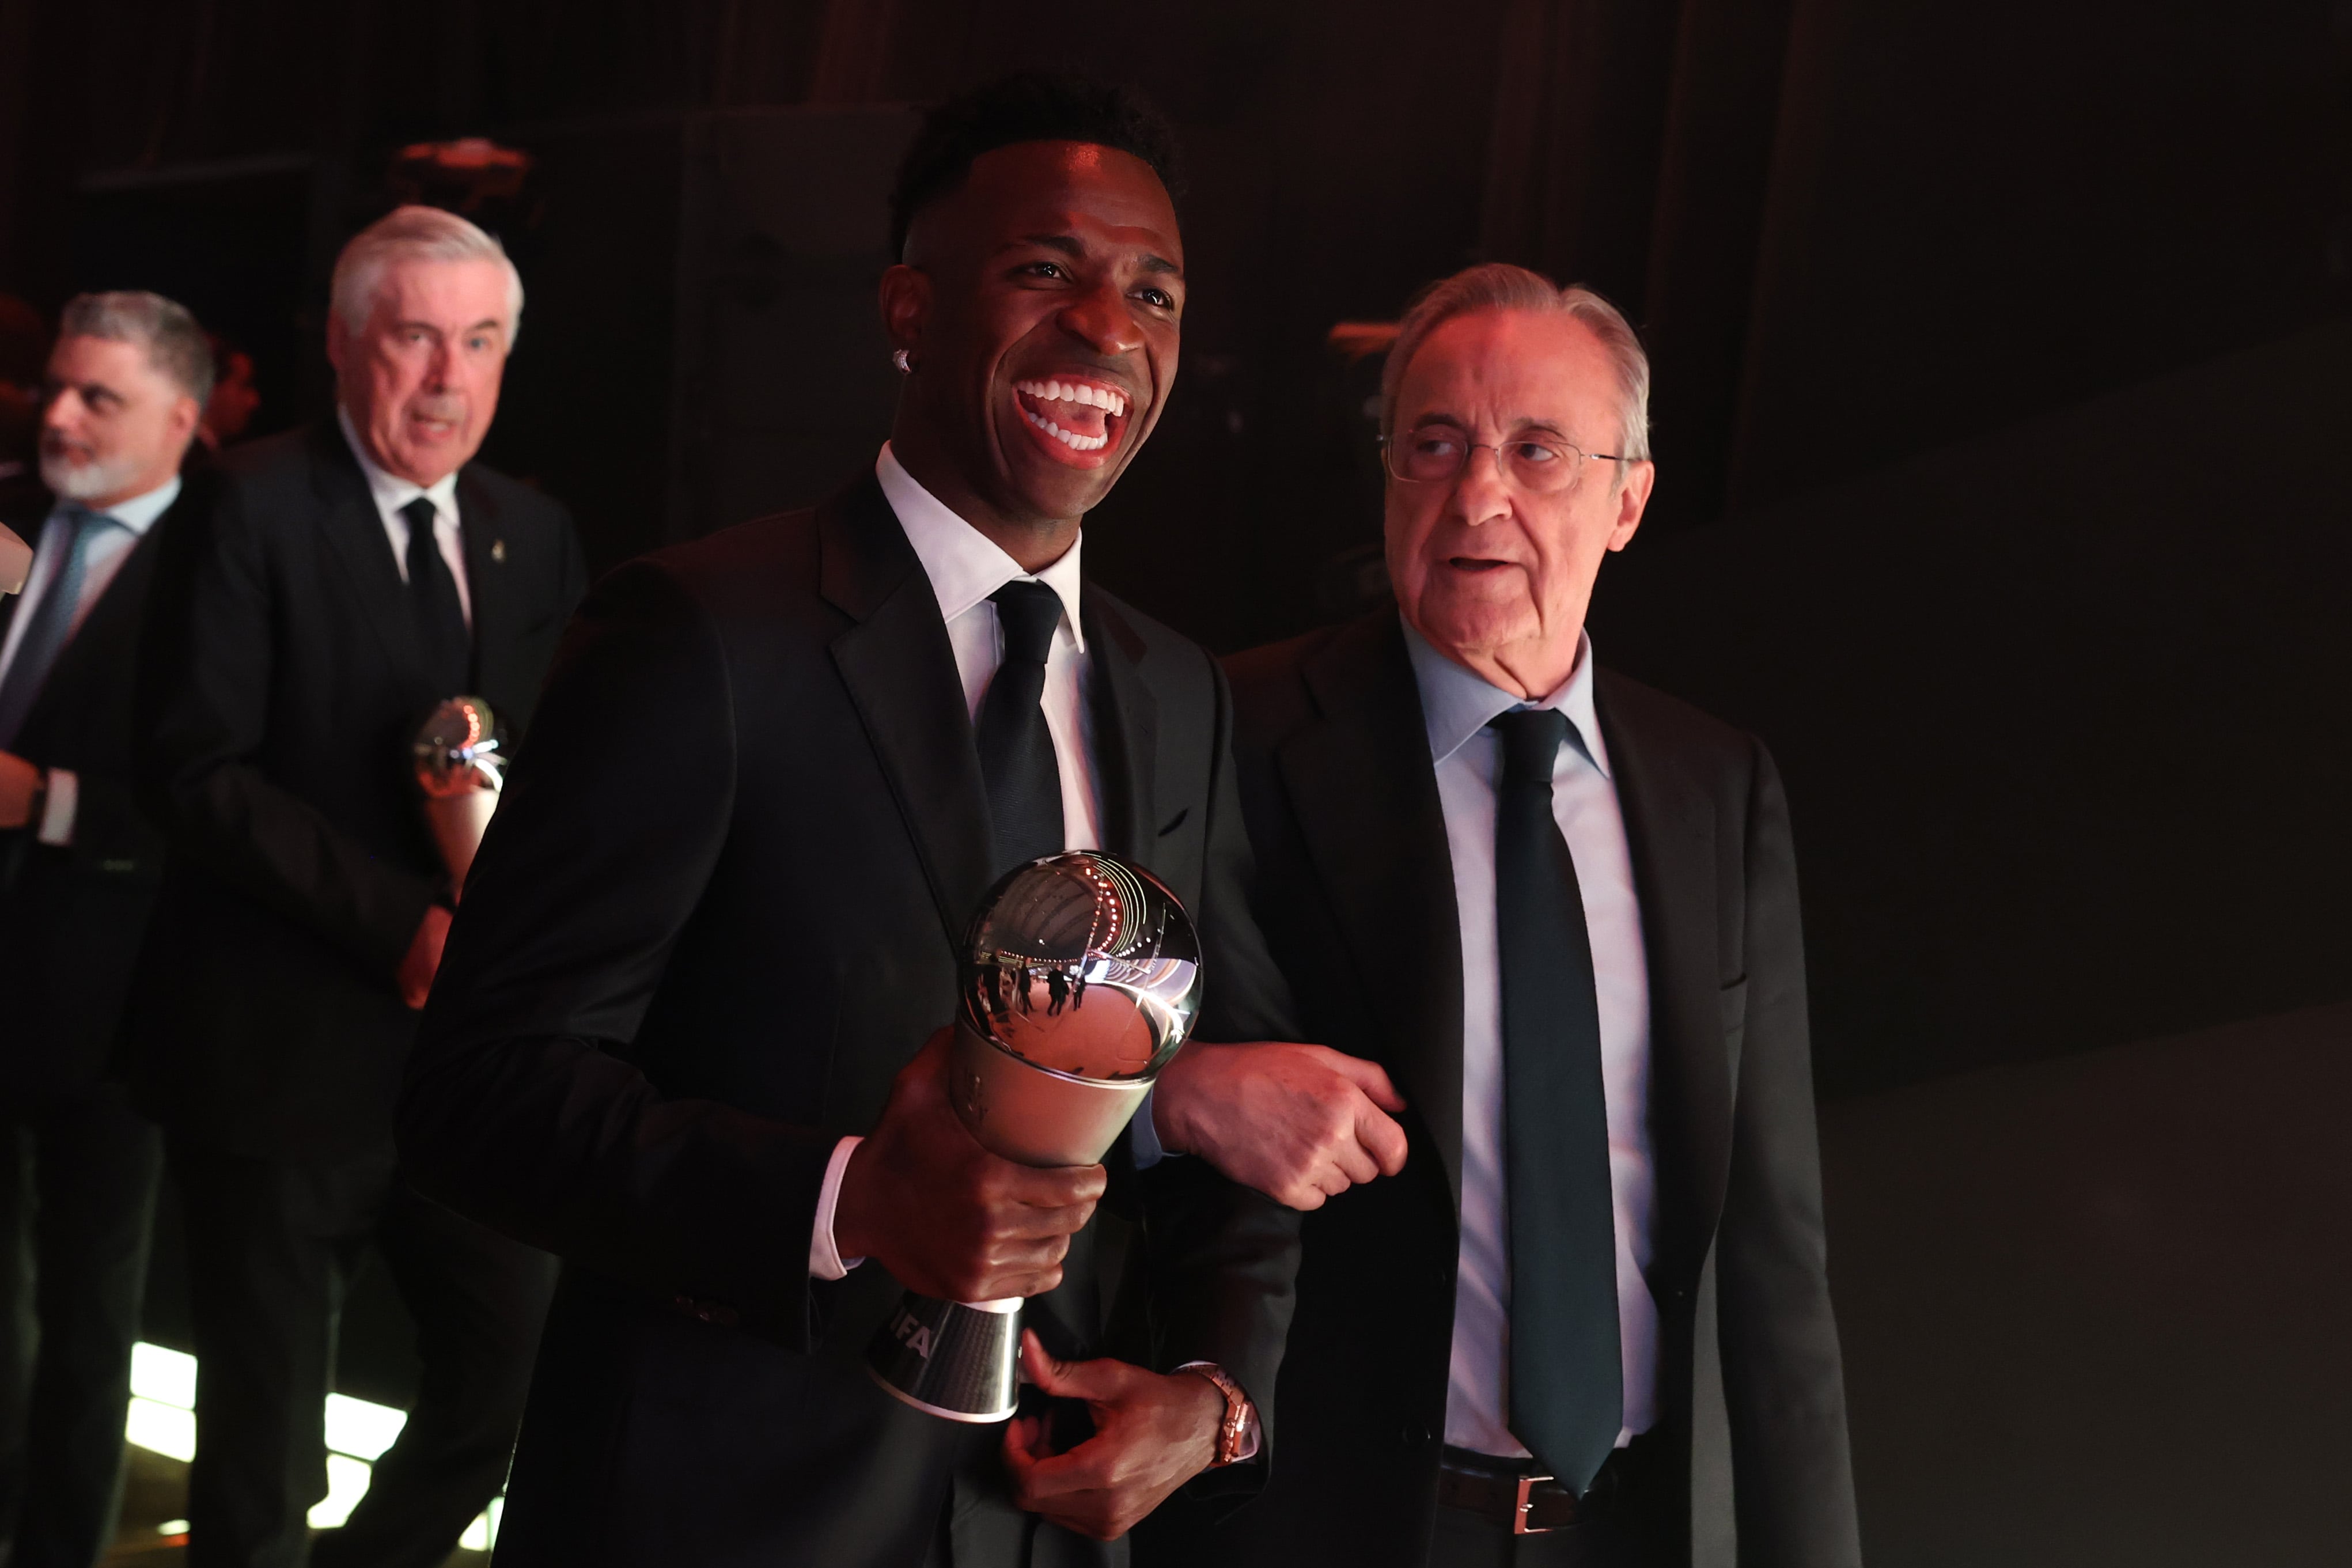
(1235, 1426)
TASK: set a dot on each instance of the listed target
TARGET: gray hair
(1498, 286)
(177, 346)
(414, 233)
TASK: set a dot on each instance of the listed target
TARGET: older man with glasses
(1560, 910)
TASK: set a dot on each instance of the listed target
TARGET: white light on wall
(347, 1482)
(161, 1428)
(361, 1429)
(167, 1377)
(162, 1419)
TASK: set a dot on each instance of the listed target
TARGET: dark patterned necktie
(444, 645)
(1016, 750)
(52, 624)
(1567, 1377)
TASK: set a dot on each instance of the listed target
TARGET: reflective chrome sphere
(1085, 965)
(457, 750)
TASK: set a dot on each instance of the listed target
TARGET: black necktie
(442, 644)
(1567, 1380)
(51, 625)
(1016, 750)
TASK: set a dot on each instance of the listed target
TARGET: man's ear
(186, 415)
(338, 340)
(906, 304)
(1632, 498)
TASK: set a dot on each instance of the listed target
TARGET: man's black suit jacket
(71, 917)
(719, 910)
(1356, 897)
(279, 687)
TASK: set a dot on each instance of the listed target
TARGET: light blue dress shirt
(1456, 706)
(107, 551)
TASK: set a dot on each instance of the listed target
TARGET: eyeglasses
(1435, 454)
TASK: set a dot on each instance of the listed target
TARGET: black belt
(1515, 1493)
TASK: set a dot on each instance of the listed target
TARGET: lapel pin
(498, 551)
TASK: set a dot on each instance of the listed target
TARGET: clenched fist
(1300, 1123)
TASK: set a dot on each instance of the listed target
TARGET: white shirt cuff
(58, 812)
(825, 1261)
(1249, 1426)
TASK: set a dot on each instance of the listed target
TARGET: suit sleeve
(108, 829)
(520, 1108)
(205, 662)
(1784, 1379)
(1224, 1259)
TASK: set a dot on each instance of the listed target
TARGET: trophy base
(956, 1360)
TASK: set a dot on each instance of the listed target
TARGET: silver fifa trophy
(15, 561)
(460, 770)
(1081, 978)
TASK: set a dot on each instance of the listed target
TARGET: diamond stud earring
(906, 365)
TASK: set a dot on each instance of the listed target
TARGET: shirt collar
(138, 513)
(965, 565)
(1456, 704)
(390, 491)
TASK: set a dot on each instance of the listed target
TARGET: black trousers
(76, 1203)
(269, 1248)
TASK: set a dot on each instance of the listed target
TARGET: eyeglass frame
(1387, 445)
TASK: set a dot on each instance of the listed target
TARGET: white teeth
(1069, 439)
(1084, 394)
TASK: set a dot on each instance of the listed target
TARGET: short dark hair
(1027, 106)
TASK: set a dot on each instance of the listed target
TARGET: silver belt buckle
(1520, 1525)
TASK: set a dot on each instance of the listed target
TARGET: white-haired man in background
(118, 402)
(348, 578)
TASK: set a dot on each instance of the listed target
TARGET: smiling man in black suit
(348, 578)
(681, 1034)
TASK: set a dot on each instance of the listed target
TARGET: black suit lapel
(1365, 795)
(106, 632)
(354, 531)
(488, 589)
(1670, 829)
(901, 674)
(1127, 731)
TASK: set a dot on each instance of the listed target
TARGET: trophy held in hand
(1081, 978)
(15, 561)
(459, 772)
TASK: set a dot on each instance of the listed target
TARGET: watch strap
(1235, 1426)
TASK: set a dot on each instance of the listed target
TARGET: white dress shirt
(393, 492)
(966, 567)
(107, 549)
(1457, 706)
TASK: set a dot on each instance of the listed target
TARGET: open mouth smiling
(1075, 420)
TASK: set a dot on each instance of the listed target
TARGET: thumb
(1088, 1380)
(1372, 1079)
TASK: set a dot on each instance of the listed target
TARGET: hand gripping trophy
(459, 772)
(15, 561)
(1081, 978)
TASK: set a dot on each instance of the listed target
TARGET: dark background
(2054, 709)
(2003, 408)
